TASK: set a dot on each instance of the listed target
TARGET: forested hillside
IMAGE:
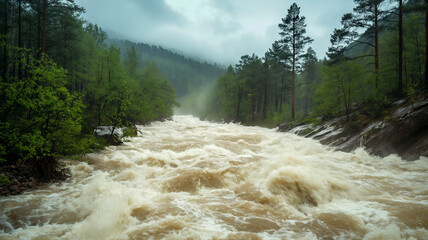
(376, 57)
(60, 80)
(185, 74)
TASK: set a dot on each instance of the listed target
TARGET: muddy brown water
(191, 179)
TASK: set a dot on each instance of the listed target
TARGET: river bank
(19, 178)
(401, 129)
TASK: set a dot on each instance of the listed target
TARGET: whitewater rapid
(192, 179)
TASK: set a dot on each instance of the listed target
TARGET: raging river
(192, 179)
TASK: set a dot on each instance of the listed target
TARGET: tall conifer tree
(293, 30)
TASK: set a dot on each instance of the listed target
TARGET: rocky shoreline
(21, 179)
(403, 130)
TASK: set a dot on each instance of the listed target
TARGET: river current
(192, 179)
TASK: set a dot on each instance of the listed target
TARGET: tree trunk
(4, 73)
(39, 28)
(376, 46)
(276, 94)
(239, 101)
(225, 89)
(265, 103)
(253, 108)
(426, 43)
(281, 93)
(292, 86)
(19, 39)
(307, 101)
(406, 74)
(19, 24)
(400, 47)
(45, 4)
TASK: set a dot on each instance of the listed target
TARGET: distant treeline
(185, 74)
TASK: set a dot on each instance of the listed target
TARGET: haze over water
(191, 179)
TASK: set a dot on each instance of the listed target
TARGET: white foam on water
(192, 179)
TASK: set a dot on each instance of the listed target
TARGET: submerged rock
(404, 131)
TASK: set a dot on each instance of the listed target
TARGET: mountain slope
(185, 74)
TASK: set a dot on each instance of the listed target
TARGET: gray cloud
(157, 11)
(216, 30)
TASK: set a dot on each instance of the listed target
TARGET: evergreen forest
(376, 57)
(185, 74)
(60, 79)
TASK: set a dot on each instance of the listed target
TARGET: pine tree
(279, 57)
(293, 30)
(131, 62)
(400, 47)
(422, 6)
(309, 62)
(369, 14)
(45, 5)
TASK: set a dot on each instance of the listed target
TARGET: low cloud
(218, 31)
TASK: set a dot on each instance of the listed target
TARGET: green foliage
(259, 90)
(4, 180)
(185, 75)
(50, 106)
(313, 120)
(131, 62)
(375, 106)
(293, 30)
(411, 93)
(281, 117)
(155, 98)
(340, 90)
(40, 117)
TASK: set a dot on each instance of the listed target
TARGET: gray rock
(403, 132)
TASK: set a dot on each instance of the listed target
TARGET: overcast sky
(214, 30)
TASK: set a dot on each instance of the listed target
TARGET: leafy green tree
(108, 95)
(309, 73)
(361, 28)
(153, 98)
(188, 76)
(400, 47)
(422, 7)
(369, 15)
(223, 98)
(293, 30)
(278, 59)
(413, 56)
(48, 104)
(339, 91)
(131, 62)
(41, 119)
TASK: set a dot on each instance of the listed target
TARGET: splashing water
(190, 179)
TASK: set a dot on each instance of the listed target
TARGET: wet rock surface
(403, 131)
(22, 179)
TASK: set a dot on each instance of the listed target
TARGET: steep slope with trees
(185, 74)
(60, 80)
